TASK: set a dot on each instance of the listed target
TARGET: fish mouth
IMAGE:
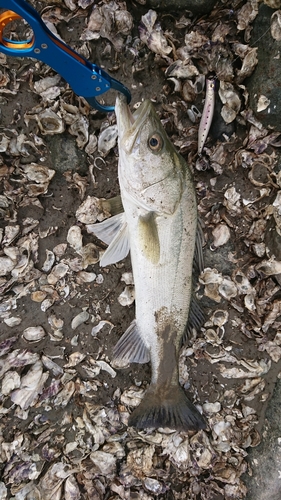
(129, 124)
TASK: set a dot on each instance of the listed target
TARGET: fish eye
(155, 142)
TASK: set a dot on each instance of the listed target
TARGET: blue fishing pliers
(86, 79)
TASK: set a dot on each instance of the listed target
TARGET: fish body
(207, 114)
(159, 228)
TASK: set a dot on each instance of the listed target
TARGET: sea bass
(158, 227)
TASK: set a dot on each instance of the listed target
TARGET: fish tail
(167, 407)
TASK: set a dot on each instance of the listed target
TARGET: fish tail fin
(167, 407)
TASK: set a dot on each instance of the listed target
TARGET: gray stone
(197, 7)
(265, 459)
(267, 76)
(64, 153)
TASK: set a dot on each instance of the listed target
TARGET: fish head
(150, 169)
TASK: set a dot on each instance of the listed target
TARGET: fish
(207, 114)
(159, 228)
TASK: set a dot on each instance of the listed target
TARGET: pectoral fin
(148, 239)
(114, 232)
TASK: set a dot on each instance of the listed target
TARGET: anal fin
(130, 348)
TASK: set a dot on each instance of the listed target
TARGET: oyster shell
(34, 333)
(11, 381)
(12, 321)
(107, 139)
(79, 319)
(127, 297)
(74, 238)
(221, 234)
(49, 122)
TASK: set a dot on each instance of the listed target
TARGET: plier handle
(86, 79)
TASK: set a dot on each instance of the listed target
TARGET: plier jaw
(86, 79)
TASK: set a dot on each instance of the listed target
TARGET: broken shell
(127, 278)
(47, 303)
(46, 83)
(227, 289)
(127, 297)
(65, 394)
(6, 265)
(58, 272)
(12, 321)
(232, 201)
(214, 337)
(82, 317)
(212, 407)
(153, 486)
(71, 489)
(96, 329)
(259, 175)
(105, 463)
(74, 238)
(74, 359)
(231, 101)
(152, 35)
(219, 317)
(80, 129)
(242, 283)
(269, 268)
(263, 103)
(90, 255)
(59, 250)
(85, 277)
(90, 211)
(92, 144)
(11, 381)
(107, 139)
(38, 296)
(11, 232)
(49, 262)
(249, 301)
(221, 234)
(31, 386)
(34, 333)
(50, 123)
(55, 323)
(182, 69)
(259, 249)
(275, 26)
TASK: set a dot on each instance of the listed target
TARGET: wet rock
(264, 82)
(265, 459)
(64, 153)
(197, 7)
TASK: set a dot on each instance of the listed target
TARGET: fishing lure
(207, 115)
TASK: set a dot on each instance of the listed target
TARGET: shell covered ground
(63, 407)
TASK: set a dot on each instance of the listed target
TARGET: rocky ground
(63, 406)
